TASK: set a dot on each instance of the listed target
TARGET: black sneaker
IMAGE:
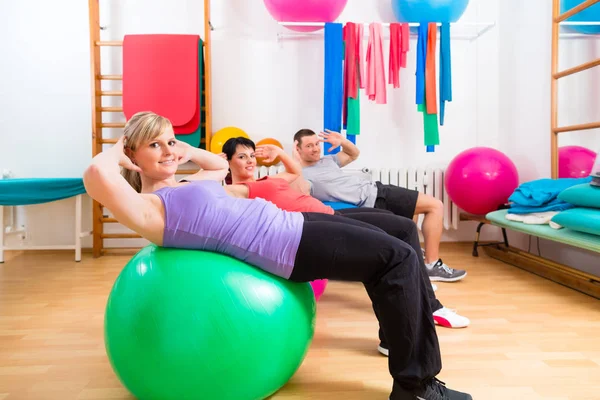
(434, 390)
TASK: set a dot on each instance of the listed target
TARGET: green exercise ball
(186, 324)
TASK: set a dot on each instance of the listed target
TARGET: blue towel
(421, 57)
(334, 81)
(26, 191)
(554, 205)
(445, 69)
(542, 191)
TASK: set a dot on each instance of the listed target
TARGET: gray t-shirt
(329, 183)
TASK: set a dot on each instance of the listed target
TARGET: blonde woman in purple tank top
(135, 180)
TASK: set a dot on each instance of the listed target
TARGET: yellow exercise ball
(223, 135)
(261, 161)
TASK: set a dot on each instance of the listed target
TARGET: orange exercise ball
(223, 135)
(260, 161)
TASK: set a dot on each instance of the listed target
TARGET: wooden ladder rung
(120, 236)
(109, 43)
(113, 141)
(112, 125)
(578, 68)
(108, 141)
(110, 109)
(110, 77)
(580, 127)
(111, 93)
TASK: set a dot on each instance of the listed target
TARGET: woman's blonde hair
(142, 128)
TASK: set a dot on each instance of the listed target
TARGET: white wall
(270, 86)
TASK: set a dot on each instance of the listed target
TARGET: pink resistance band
(375, 73)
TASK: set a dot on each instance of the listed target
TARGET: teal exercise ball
(186, 324)
(429, 10)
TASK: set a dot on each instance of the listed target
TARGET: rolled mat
(160, 74)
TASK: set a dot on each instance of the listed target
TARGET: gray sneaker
(443, 273)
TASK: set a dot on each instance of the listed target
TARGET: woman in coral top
(288, 191)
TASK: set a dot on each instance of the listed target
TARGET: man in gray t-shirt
(328, 182)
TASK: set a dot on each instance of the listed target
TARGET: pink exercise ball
(318, 287)
(305, 11)
(575, 162)
(480, 179)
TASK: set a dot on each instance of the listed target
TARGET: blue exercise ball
(338, 205)
(429, 10)
(590, 14)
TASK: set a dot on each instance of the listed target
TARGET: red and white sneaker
(450, 319)
(444, 317)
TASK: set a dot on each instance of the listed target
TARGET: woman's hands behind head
(119, 151)
(184, 152)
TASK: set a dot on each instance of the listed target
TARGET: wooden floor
(529, 338)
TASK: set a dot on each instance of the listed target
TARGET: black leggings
(399, 227)
(339, 248)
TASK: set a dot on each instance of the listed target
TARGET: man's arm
(349, 151)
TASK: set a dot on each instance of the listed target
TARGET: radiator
(426, 180)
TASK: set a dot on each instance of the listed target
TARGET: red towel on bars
(375, 73)
(395, 54)
(430, 88)
(160, 74)
(405, 36)
(351, 66)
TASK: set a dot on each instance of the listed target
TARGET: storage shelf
(460, 30)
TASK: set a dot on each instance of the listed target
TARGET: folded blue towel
(540, 192)
(554, 205)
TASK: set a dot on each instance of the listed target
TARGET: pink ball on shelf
(305, 11)
(575, 161)
(318, 287)
(480, 179)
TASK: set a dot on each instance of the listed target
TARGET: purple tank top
(201, 215)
